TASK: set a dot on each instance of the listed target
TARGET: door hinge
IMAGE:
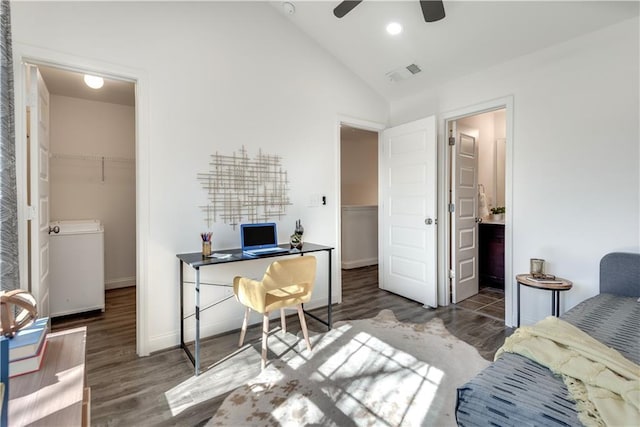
(452, 140)
(31, 213)
(452, 274)
(32, 102)
(452, 208)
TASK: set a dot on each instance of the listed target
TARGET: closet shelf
(91, 158)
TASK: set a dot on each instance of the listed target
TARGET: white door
(464, 248)
(407, 232)
(38, 132)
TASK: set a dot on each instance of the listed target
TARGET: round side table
(555, 286)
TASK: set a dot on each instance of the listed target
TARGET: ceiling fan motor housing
(432, 10)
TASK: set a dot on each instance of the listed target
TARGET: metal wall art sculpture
(242, 189)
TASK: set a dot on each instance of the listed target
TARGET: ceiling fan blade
(345, 7)
(432, 10)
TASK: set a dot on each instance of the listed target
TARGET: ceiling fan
(432, 10)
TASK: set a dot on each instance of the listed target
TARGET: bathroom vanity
(491, 253)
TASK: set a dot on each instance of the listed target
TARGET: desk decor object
(9, 300)
(27, 348)
(536, 267)
(206, 243)
(218, 255)
(28, 340)
(544, 278)
(28, 364)
(296, 241)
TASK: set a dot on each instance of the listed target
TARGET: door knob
(54, 229)
(478, 220)
(428, 221)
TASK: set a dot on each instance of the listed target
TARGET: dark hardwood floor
(161, 390)
(488, 301)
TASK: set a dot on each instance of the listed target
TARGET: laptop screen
(258, 236)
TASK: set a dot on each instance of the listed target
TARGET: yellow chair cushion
(286, 283)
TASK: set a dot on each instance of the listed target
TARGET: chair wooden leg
(283, 322)
(245, 322)
(265, 336)
(303, 324)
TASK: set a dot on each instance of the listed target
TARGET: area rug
(368, 372)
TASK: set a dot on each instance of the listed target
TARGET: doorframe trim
(444, 158)
(23, 53)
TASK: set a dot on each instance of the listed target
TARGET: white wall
(359, 236)
(576, 183)
(89, 129)
(220, 75)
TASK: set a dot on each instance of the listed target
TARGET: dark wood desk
(196, 261)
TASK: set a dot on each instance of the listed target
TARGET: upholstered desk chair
(287, 283)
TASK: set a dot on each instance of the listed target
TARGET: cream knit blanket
(604, 384)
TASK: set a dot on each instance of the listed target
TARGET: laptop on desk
(260, 239)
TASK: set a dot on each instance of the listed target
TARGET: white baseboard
(123, 282)
(346, 265)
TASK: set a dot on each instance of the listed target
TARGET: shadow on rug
(375, 371)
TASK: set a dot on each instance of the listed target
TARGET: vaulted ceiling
(474, 35)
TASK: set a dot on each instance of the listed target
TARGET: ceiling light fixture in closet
(94, 82)
(394, 28)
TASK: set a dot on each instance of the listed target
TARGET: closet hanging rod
(91, 158)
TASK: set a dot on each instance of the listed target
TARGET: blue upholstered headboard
(620, 274)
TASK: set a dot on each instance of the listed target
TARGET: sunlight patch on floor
(220, 378)
(227, 374)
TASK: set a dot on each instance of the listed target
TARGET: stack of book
(27, 347)
(544, 278)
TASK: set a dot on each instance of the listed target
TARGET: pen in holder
(206, 244)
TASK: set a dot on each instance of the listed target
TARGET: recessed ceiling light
(394, 28)
(94, 82)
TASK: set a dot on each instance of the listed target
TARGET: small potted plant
(497, 213)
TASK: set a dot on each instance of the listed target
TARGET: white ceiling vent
(403, 73)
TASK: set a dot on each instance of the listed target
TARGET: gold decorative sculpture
(9, 324)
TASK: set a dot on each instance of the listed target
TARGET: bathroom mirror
(499, 170)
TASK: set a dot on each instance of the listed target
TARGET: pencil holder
(206, 248)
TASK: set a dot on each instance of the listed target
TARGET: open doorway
(477, 205)
(84, 163)
(358, 197)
